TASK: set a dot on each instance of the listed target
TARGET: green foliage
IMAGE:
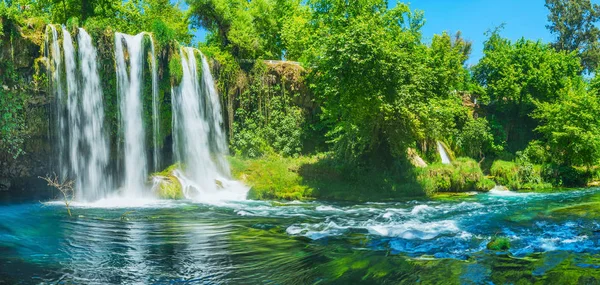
(366, 77)
(463, 175)
(571, 127)
(519, 175)
(266, 119)
(574, 23)
(476, 139)
(175, 67)
(515, 76)
(565, 175)
(499, 243)
(271, 178)
(12, 122)
(318, 176)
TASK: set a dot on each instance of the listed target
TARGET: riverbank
(319, 177)
(273, 177)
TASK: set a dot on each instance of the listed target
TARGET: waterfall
(80, 117)
(155, 110)
(199, 143)
(443, 155)
(129, 81)
(55, 67)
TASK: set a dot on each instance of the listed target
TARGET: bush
(518, 175)
(271, 177)
(565, 176)
(463, 175)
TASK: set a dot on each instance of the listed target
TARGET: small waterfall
(199, 143)
(443, 155)
(129, 81)
(81, 117)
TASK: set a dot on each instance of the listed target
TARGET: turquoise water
(256, 242)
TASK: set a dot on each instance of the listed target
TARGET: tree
(571, 126)
(249, 29)
(514, 76)
(368, 68)
(447, 57)
(476, 139)
(573, 22)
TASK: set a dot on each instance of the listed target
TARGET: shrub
(566, 176)
(463, 175)
(518, 175)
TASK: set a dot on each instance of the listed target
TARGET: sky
(522, 18)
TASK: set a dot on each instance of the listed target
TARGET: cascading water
(213, 111)
(443, 155)
(81, 117)
(129, 80)
(155, 109)
(55, 64)
(199, 143)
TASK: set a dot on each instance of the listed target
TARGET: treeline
(530, 106)
(361, 84)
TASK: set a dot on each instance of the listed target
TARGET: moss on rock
(167, 186)
(584, 210)
(499, 243)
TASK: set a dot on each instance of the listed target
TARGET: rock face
(22, 75)
(415, 159)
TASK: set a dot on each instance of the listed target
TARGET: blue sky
(522, 18)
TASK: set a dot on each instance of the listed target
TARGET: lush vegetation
(317, 93)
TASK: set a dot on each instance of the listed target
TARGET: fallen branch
(65, 187)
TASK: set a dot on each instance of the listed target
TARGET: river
(440, 241)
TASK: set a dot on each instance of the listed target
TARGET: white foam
(418, 209)
(416, 230)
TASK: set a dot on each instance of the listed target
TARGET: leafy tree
(447, 57)
(475, 139)
(571, 126)
(249, 29)
(514, 76)
(371, 62)
(574, 24)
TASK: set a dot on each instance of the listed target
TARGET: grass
(272, 177)
(320, 177)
